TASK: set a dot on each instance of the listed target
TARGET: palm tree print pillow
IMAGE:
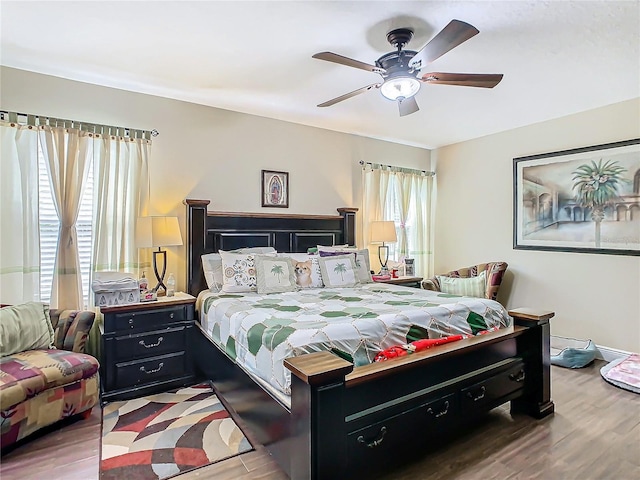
(275, 274)
(339, 271)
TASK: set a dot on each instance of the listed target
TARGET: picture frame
(409, 270)
(584, 200)
(275, 189)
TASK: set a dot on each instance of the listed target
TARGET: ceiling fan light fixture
(394, 88)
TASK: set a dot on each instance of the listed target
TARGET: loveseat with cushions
(44, 374)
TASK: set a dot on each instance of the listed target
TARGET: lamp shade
(383, 232)
(158, 232)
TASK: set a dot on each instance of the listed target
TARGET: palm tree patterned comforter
(259, 331)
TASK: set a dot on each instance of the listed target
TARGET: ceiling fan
(400, 69)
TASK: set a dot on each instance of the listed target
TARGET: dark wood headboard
(209, 232)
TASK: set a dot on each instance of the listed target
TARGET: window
(49, 225)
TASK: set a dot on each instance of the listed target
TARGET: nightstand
(145, 347)
(415, 282)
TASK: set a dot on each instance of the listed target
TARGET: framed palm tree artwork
(582, 200)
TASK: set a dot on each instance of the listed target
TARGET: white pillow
(259, 250)
(339, 271)
(307, 269)
(212, 268)
(275, 274)
(468, 287)
(363, 264)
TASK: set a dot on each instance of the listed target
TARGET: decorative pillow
(363, 265)
(469, 287)
(238, 272)
(25, 327)
(339, 271)
(212, 265)
(307, 269)
(275, 274)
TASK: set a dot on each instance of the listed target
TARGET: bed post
(196, 239)
(318, 437)
(348, 225)
(534, 347)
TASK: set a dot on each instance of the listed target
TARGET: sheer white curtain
(406, 197)
(121, 195)
(20, 240)
(66, 153)
(375, 185)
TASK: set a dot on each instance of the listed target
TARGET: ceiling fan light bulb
(395, 88)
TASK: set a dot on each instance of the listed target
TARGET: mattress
(258, 331)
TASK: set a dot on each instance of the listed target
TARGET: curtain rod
(398, 169)
(38, 120)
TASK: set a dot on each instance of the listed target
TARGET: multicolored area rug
(623, 373)
(160, 436)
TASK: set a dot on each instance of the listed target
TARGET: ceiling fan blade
(484, 80)
(455, 33)
(407, 106)
(349, 62)
(349, 95)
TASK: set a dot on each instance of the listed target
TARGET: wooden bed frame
(346, 421)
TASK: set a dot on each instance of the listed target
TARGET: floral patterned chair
(494, 271)
(49, 379)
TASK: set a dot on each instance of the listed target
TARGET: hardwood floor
(594, 435)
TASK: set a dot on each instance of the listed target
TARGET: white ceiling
(557, 57)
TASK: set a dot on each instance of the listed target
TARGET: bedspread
(260, 330)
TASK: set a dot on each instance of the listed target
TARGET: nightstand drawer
(144, 319)
(149, 370)
(149, 344)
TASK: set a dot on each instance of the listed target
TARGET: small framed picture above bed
(275, 189)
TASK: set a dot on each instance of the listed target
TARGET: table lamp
(158, 232)
(382, 232)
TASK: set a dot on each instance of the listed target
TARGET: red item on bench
(413, 347)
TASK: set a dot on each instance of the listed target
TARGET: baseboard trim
(604, 353)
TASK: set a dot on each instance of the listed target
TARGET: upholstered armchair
(45, 375)
(493, 273)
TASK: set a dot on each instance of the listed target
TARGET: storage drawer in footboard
(500, 385)
(381, 443)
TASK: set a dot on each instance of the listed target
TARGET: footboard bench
(346, 422)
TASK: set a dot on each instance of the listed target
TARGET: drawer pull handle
(376, 442)
(171, 315)
(479, 396)
(153, 345)
(441, 413)
(155, 370)
(517, 377)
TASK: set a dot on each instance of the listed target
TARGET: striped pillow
(468, 287)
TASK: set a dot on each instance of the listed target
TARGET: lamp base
(160, 288)
(384, 270)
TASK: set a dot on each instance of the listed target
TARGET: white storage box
(115, 288)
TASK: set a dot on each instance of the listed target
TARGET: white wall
(209, 153)
(594, 296)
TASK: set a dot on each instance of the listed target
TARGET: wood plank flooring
(594, 435)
